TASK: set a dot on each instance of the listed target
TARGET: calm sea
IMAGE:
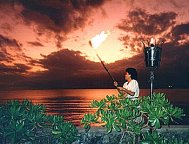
(74, 103)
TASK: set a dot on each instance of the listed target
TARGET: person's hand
(120, 88)
(115, 84)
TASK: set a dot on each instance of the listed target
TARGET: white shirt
(132, 86)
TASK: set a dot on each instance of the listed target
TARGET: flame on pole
(95, 42)
(152, 53)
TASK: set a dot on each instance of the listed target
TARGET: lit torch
(95, 43)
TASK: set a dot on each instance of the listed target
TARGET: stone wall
(98, 135)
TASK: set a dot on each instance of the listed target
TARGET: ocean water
(74, 103)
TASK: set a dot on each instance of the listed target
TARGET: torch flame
(96, 41)
(152, 41)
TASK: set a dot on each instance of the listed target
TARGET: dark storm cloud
(35, 43)
(5, 41)
(64, 64)
(55, 16)
(13, 77)
(4, 56)
(68, 60)
(80, 4)
(144, 25)
(175, 56)
(179, 30)
(18, 68)
(10, 51)
(69, 69)
(10, 80)
(58, 15)
(141, 22)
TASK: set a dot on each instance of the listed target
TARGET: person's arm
(123, 91)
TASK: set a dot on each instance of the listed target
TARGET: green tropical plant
(25, 122)
(132, 116)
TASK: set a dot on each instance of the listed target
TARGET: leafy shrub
(25, 122)
(132, 116)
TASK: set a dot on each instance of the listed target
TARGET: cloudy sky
(44, 44)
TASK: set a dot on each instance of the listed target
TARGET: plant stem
(122, 137)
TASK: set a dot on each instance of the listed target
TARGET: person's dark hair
(132, 72)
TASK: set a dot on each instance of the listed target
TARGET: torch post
(152, 54)
(105, 68)
(151, 82)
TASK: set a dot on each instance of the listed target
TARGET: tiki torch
(152, 52)
(95, 42)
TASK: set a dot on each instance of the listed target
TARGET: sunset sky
(44, 44)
